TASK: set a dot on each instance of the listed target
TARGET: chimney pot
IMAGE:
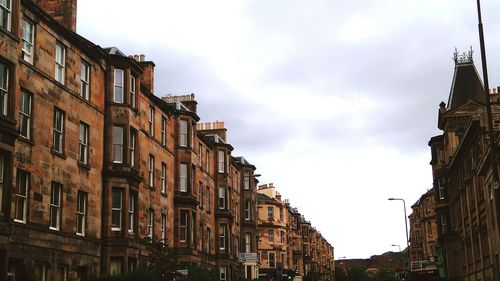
(142, 57)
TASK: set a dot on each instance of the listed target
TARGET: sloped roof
(466, 85)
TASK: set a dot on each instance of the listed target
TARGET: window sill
(26, 140)
(164, 194)
(9, 33)
(83, 165)
(58, 154)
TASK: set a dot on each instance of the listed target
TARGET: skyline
(314, 92)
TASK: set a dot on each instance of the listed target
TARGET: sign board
(247, 257)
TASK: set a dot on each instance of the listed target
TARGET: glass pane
(117, 135)
(117, 199)
(3, 77)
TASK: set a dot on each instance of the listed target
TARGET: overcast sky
(333, 101)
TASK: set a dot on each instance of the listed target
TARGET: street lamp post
(406, 227)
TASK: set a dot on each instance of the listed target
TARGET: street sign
(247, 257)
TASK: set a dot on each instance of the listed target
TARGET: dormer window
(118, 90)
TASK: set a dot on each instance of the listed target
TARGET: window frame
(132, 147)
(58, 131)
(132, 92)
(151, 171)
(4, 89)
(132, 203)
(83, 144)
(151, 121)
(163, 130)
(117, 145)
(8, 11)
(27, 55)
(55, 206)
(183, 225)
(248, 207)
(222, 198)
(222, 237)
(81, 212)
(118, 97)
(25, 132)
(118, 210)
(60, 63)
(183, 177)
(273, 259)
(151, 221)
(163, 231)
(221, 161)
(183, 133)
(3, 163)
(270, 234)
(85, 80)
(24, 197)
(163, 178)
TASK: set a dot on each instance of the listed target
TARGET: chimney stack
(63, 11)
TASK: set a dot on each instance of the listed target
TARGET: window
(55, 206)
(2, 171)
(248, 206)
(271, 235)
(131, 147)
(192, 228)
(116, 209)
(151, 128)
(60, 63)
(222, 161)
(200, 150)
(58, 131)
(443, 224)
(131, 212)
(25, 115)
(429, 228)
(246, 180)
(222, 198)
(282, 237)
(208, 199)
(183, 225)
(117, 144)
(151, 214)
(163, 130)
(270, 213)
(118, 91)
(28, 40)
(200, 194)
(5, 14)
(191, 178)
(207, 158)
(222, 273)
(441, 189)
(132, 92)
(222, 236)
(61, 273)
(81, 211)
(40, 272)
(83, 150)
(248, 241)
(163, 227)
(115, 266)
(272, 260)
(281, 214)
(21, 196)
(4, 88)
(183, 178)
(163, 177)
(84, 80)
(208, 239)
(151, 171)
(201, 238)
(183, 133)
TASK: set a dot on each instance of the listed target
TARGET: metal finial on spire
(463, 58)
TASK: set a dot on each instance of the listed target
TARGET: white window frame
(4, 89)
(270, 215)
(6, 14)
(151, 121)
(273, 259)
(441, 189)
(60, 63)
(132, 92)
(248, 243)
(21, 198)
(207, 160)
(58, 131)
(163, 233)
(246, 180)
(222, 236)
(282, 236)
(163, 178)
(222, 273)
(183, 177)
(131, 212)
(151, 215)
(248, 206)
(222, 198)
(163, 130)
(183, 133)
(118, 86)
(25, 105)
(55, 206)
(83, 146)
(151, 171)
(28, 38)
(118, 209)
(200, 194)
(183, 226)
(222, 161)
(131, 147)
(118, 141)
(81, 213)
(270, 234)
(85, 80)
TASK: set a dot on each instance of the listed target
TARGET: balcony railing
(423, 265)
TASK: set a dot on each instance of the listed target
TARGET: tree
(340, 274)
(163, 261)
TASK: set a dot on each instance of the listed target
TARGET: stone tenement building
(468, 228)
(287, 242)
(423, 235)
(93, 165)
